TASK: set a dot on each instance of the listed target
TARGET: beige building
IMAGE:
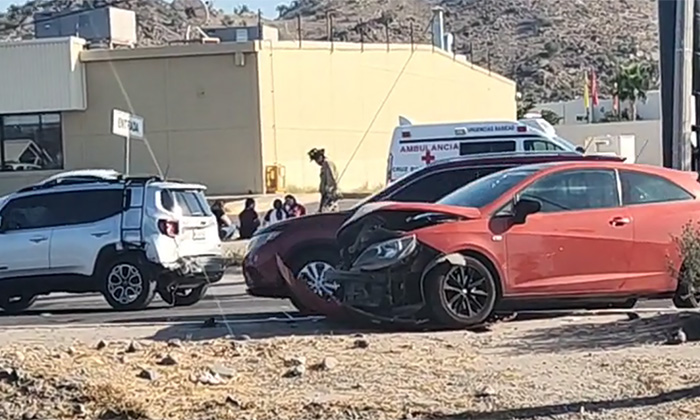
(220, 114)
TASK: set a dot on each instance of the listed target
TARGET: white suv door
(90, 220)
(25, 235)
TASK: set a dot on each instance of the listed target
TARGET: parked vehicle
(125, 237)
(415, 146)
(532, 237)
(308, 243)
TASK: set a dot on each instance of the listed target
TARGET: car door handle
(99, 234)
(620, 221)
(38, 239)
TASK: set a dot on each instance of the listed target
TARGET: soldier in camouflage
(329, 181)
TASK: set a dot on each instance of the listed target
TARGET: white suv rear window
(192, 202)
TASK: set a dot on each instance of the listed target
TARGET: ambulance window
(476, 147)
(540, 146)
(430, 188)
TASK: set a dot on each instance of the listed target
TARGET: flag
(586, 91)
(594, 88)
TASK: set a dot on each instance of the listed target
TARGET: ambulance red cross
(414, 146)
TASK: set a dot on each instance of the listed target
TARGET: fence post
(362, 36)
(411, 33)
(386, 31)
(299, 28)
(488, 60)
(330, 28)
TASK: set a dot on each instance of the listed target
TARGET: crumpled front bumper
(359, 310)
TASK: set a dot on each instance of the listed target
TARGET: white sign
(127, 125)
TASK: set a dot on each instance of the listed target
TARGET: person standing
(249, 220)
(329, 181)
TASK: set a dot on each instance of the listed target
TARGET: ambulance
(414, 146)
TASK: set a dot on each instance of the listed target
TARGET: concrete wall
(200, 111)
(572, 111)
(647, 136)
(328, 98)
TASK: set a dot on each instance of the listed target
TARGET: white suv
(125, 237)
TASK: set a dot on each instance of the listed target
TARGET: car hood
(430, 208)
(299, 222)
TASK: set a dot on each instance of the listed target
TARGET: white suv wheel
(124, 283)
(128, 283)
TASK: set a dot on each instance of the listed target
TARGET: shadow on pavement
(550, 411)
(254, 326)
(605, 335)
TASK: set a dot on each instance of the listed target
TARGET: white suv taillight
(169, 227)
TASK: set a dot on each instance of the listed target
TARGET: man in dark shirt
(248, 219)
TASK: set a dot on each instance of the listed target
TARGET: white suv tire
(127, 282)
(16, 304)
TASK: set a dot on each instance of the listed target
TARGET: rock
(70, 351)
(678, 337)
(295, 361)
(175, 342)
(148, 375)
(243, 337)
(485, 392)
(632, 316)
(168, 360)
(207, 378)
(29, 415)
(79, 410)
(100, 345)
(329, 363)
(231, 400)
(222, 371)
(133, 347)
(209, 323)
(295, 372)
(361, 343)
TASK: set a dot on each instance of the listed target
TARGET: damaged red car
(530, 237)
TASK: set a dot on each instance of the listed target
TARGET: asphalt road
(225, 300)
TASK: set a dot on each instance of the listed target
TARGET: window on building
(31, 142)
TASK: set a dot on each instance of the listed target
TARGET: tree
(633, 83)
(242, 9)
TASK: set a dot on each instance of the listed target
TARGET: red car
(308, 244)
(567, 232)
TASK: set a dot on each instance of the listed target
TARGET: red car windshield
(485, 190)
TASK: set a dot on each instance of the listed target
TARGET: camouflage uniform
(328, 187)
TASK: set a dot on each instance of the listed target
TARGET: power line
(62, 14)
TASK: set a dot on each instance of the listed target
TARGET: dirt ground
(606, 367)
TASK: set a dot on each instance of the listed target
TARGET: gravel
(567, 368)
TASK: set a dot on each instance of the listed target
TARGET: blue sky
(267, 6)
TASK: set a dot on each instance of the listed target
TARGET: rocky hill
(544, 45)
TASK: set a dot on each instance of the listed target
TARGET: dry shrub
(688, 244)
(114, 404)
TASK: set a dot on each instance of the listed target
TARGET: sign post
(128, 126)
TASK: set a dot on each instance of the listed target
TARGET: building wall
(647, 136)
(573, 111)
(200, 110)
(41, 76)
(318, 96)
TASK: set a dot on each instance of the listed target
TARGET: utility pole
(696, 85)
(682, 87)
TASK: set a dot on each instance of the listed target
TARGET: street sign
(127, 125)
